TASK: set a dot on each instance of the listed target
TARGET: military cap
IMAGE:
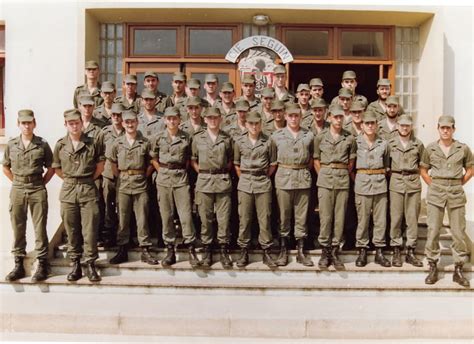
(369, 116)
(446, 121)
(292, 108)
(130, 79)
(193, 83)
(211, 78)
(392, 100)
(227, 87)
(349, 74)
(26, 115)
(268, 92)
(91, 65)
(279, 69)
(72, 115)
(242, 105)
(345, 92)
(107, 86)
(316, 82)
(150, 73)
(277, 105)
(383, 82)
(357, 106)
(179, 76)
(129, 114)
(148, 94)
(248, 79)
(212, 111)
(317, 103)
(253, 117)
(336, 110)
(171, 111)
(117, 108)
(405, 119)
(303, 87)
(86, 100)
(193, 101)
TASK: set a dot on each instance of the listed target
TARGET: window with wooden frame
(308, 42)
(364, 43)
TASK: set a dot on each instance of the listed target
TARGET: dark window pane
(308, 42)
(164, 85)
(155, 42)
(209, 42)
(223, 77)
(367, 44)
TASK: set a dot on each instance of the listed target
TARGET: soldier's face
(446, 132)
(194, 111)
(392, 110)
(248, 90)
(350, 84)
(193, 92)
(130, 88)
(293, 120)
(27, 128)
(254, 128)
(172, 122)
(149, 103)
(242, 115)
(278, 115)
(303, 97)
(404, 129)
(319, 113)
(383, 92)
(213, 122)
(73, 127)
(317, 91)
(151, 83)
(369, 127)
(280, 80)
(210, 87)
(116, 118)
(227, 96)
(336, 121)
(267, 102)
(108, 96)
(345, 102)
(356, 116)
(92, 73)
(130, 125)
(87, 110)
(178, 86)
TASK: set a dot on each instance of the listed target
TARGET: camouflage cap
(349, 74)
(248, 79)
(148, 94)
(211, 78)
(242, 105)
(117, 108)
(405, 120)
(345, 92)
(91, 65)
(446, 121)
(86, 100)
(303, 87)
(179, 76)
(292, 108)
(172, 111)
(129, 114)
(392, 100)
(26, 115)
(336, 110)
(369, 116)
(212, 111)
(72, 115)
(357, 106)
(279, 69)
(277, 105)
(193, 101)
(253, 117)
(130, 79)
(107, 86)
(383, 82)
(227, 87)
(268, 92)
(150, 73)
(315, 82)
(317, 103)
(193, 83)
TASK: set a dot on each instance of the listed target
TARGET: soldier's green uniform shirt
(349, 126)
(318, 130)
(110, 134)
(227, 117)
(150, 128)
(384, 130)
(356, 98)
(307, 118)
(134, 105)
(82, 90)
(160, 102)
(377, 108)
(234, 130)
(287, 97)
(101, 114)
(253, 103)
(188, 127)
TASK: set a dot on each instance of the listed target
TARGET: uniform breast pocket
(37, 157)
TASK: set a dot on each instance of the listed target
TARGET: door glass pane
(164, 85)
(209, 42)
(223, 77)
(308, 42)
(155, 42)
(357, 43)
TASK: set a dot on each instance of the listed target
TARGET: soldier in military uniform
(109, 180)
(405, 190)
(237, 127)
(279, 84)
(388, 126)
(349, 81)
(345, 100)
(79, 160)
(294, 147)
(253, 163)
(178, 98)
(195, 122)
(25, 159)
(226, 104)
(318, 121)
(450, 163)
(91, 87)
(334, 156)
(278, 121)
(212, 160)
(354, 124)
(193, 89)
(150, 120)
(129, 98)
(171, 151)
(267, 96)
(211, 85)
(130, 156)
(316, 86)
(248, 91)
(104, 111)
(379, 106)
(373, 161)
(303, 97)
(152, 82)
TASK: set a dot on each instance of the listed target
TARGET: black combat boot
(397, 257)
(91, 272)
(170, 257)
(362, 257)
(193, 259)
(147, 257)
(76, 272)
(121, 256)
(268, 260)
(243, 260)
(335, 260)
(411, 258)
(380, 258)
(17, 272)
(41, 272)
(458, 276)
(432, 277)
(300, 257)
(325, 259)
(206, 261)
(225, 259)
(282, 259)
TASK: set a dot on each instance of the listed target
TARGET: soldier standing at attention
(279, 84)
(212, 160)
(171, 151)
(178, 98)
(254, 163)
(129, 98)
(354, 124)
(450, 164)
(193, 89)
(226, 104)
(248, 91)
(303, 96)
(150, 120)
(91, 87)
(278, 122)
(79, 160)
(152, 82)
(373, 161)
(104, 112)
(211, 85)
(379, 107)
(130, 159)
(294, 147)
(267, 95)
(25, 159)
(388, 126)
(405, 190)
(334, 156)
(345, 101)
(318, 110)
(195, 122)
(316, 86)
(349, 81)
(237, 127)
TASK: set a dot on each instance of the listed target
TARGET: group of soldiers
(259, 158)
